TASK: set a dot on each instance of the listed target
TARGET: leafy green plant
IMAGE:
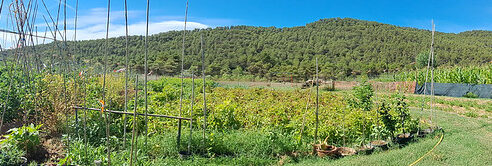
(470, 95)
(387, 119)
(363, 97)
(26, 138)
(402, 111)
(10, 155)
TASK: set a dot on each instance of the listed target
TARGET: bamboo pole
(108, 145)
(317, 102)
(126, 74)
(306, 110)
(427, 71)
(146, 73)
(191, 110)
(432, 72)
(85, 118)
(1, 7)
(178, 139)
(64, 72)
(75, 71)
(134, 120)
(204, 86)
(128, 113)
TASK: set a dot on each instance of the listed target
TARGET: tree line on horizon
(345, 48)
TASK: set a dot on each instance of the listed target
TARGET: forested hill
(344, 47)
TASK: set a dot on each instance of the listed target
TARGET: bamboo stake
(317, 102)
(134, 120)
(432, 72)
(85, 119)
(126, 74)
(75, 71)
(178, 139)
(204, 83)
(191, 110)
(306, 110)
(1, 7)
(146, 73)
(108, 145)
(427, 71)
(64, 73)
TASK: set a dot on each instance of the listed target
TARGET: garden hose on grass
(440, 140)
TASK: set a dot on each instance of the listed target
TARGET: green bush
(25, 138)
(386, 117)
(400, 107)
(362, 97)
(470, 95)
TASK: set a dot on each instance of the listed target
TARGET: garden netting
(456, 90)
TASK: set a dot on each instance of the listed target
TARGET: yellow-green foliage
(271, 109)
(58, 95)
(115, 90)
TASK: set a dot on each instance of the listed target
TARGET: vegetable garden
(278, 122)
(62, 111)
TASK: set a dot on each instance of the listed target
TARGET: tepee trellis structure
(63, 63)
(430, 67)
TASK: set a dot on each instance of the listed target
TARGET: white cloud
(93, 26)
(115, 30)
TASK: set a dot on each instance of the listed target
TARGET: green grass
(466, 142)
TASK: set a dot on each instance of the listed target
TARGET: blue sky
(452, 16)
